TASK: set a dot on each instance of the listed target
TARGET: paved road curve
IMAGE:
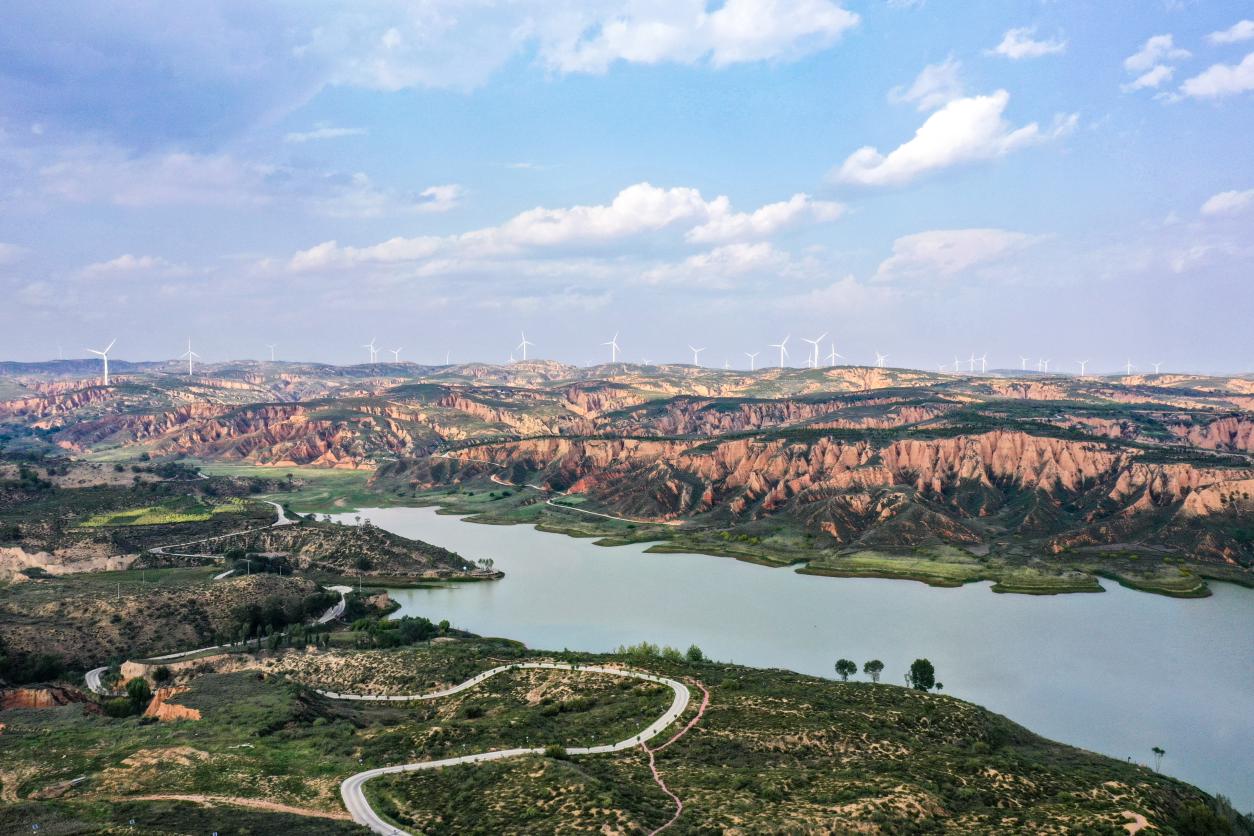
(283, 519)
(93, 676)
(351, 789)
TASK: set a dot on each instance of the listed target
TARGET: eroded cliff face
(16, 698)
(135, 428)
(1234, 433)
(55, 403)
(917, 489)
(703, 417)
(160, 708)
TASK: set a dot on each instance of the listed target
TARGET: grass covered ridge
(775, 752)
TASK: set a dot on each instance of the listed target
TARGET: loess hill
(1039, 482)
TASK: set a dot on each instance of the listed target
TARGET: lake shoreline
(1192, 583)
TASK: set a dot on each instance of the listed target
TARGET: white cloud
(634, 210)
(936, 85)
(1151, 78)
(1020, 43)
(1237, 32)
(542, 240)
(965, 130)
(1221, 80)
(395, 250)
(99, 174)
(323, 131)
(1156, 50)
(639, 208)
(38, 294)
(439, 198)
(358, 197)
(946, 252)
(684, 31)
(719, 267)
(11, 253)
(132, 265)
(764, 222)
(843, 296)
(1228, 203)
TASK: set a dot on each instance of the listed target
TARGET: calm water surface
(1116, 673)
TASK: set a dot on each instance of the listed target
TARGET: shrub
(119, 707)
(138, 692)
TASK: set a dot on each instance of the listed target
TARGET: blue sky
(1065, 180)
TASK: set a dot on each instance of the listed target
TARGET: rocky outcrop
(1234, 433)
(167, 712)
(15, 698)
(906, 491)
(14, 560)
(55, 403)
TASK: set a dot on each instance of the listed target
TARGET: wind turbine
(374, 352)
(726, 364)
(984, 363)
(832, 355)
(1083, 365)
(614, 349)
(957, 365)
(971, 363)
(60, 353)
(696, 355)
(814, 353)
(1045, 365)
(190, 355)
(448, 354)
(396, 354)
(1023, 363)
(1156, 366)
(753, 360)
(523, 345)
(1128, 367)
(782, 345)
(272, 347)
(104, 355)
(879, 360)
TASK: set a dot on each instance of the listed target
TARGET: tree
(845, 668)
(138, 692)
(694, 654)
(922, 675)
(162, 675)
(873, 669)
(1158, 756)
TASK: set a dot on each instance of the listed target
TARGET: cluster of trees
(250, 563)
(375, 632)
(255, 619)
(649, 650)
(21, 668)
(137, 697)
(921, 676)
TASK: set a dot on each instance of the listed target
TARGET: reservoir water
(1116, 673)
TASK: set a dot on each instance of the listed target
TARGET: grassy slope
(776, 752)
